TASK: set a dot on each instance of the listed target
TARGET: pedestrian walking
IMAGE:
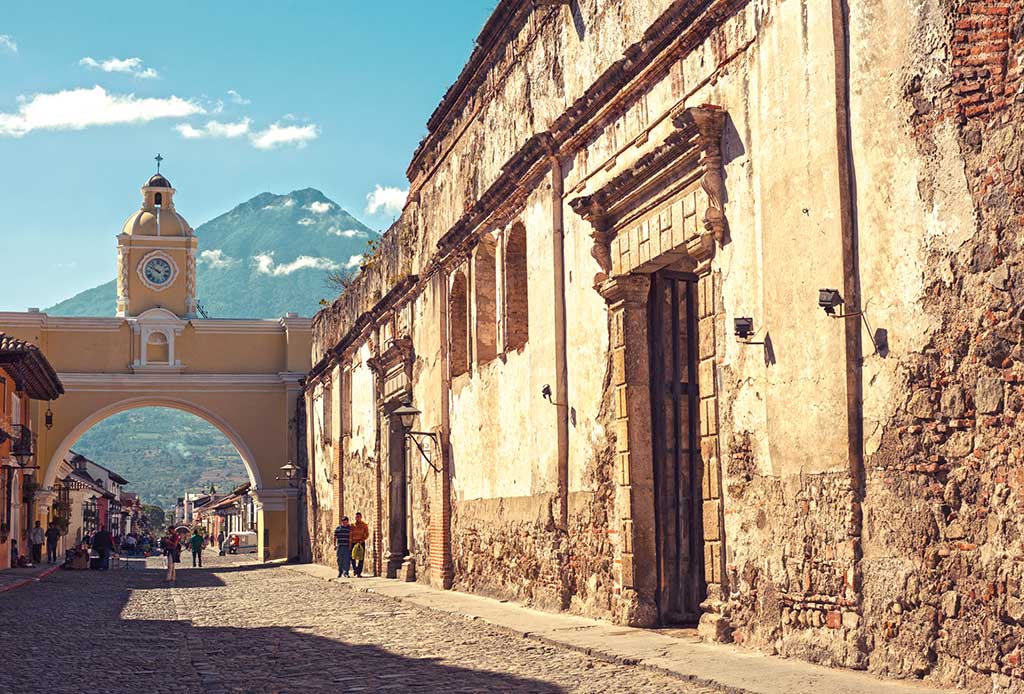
(359, 534)
(36, 537)
(103, 543)
(171, 546)
(220, 541)
(343, 546)
(52, 536)
(196, 543)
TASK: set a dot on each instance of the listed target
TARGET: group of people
(37, 537)
(350, 545)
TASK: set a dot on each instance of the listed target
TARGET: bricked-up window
(325, 414)
(458, 324)
(517, 304)
(485, 300)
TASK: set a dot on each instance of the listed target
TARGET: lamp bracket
(427, 434)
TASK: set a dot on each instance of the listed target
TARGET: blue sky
(240, 98)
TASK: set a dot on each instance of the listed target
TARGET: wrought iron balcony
(21, 439)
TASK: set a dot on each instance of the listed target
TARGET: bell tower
(156, 255)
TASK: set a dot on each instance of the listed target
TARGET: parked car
(239, 543)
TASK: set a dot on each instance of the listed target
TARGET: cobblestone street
(236, 626)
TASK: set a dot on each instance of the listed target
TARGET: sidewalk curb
(31, 579)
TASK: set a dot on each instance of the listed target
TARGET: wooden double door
(675, 399)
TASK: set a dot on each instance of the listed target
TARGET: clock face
(158, 271)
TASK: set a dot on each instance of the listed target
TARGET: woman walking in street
(196, 543)
(171, 545)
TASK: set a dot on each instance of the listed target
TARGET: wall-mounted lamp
(830, 300)
(743, 327)
(292, 474)
(407, 415)
(545, 392)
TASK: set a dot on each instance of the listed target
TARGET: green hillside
(164, 453)
(265, 257)
(262, 259)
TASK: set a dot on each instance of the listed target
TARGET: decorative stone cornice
(625, 290)
(692, 152)
(398, 352)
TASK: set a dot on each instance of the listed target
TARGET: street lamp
(291, 473)
(407, 415)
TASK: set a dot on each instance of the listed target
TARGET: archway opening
(136, 469)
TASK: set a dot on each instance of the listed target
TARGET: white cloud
(128, 66)
(347, 233)
(277, 135)
(216, 259)
(287, 202)
(390, 200)
(265, 264)
(306, 221)
(353, 261)
(237, 98)
(214, 128)
(320, 207)
(8, 43)
(76, 109)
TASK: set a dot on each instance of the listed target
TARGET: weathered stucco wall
(858, 476)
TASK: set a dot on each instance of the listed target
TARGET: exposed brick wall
(458, 324)
(986, 73)
(484, 300)
(516, 299)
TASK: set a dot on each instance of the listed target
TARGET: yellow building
(241, 375)
(25, 375)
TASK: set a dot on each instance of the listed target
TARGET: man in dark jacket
(343, 546)
(103, 543)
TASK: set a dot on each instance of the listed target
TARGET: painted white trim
(170, 380)
(275, 499)
(237, 324)
(248, 459)
(154, 255)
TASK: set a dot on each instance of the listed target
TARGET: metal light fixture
(289, 470)
(830, 300)
(48, 417)
(743, 327)
(407, 415)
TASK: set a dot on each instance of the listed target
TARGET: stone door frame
(645, 219)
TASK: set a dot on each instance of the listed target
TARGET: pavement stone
(676, 652)
(238, 626)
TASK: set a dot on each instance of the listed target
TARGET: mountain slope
(264, 258)
(163, 453)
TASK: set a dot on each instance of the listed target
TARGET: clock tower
(156, 255)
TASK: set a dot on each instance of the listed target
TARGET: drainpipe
(851, 269)
(561, 364)
(444, 493)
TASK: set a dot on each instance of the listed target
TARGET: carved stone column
(634, 474)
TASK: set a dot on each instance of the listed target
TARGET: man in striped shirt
(343, 546)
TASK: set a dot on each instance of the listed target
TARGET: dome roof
(157, 180)
(143, 223)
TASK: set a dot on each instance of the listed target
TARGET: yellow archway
(132, 403)
(242, 376)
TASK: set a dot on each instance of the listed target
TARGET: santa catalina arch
(241, 375)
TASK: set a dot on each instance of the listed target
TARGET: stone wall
(859, 474)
